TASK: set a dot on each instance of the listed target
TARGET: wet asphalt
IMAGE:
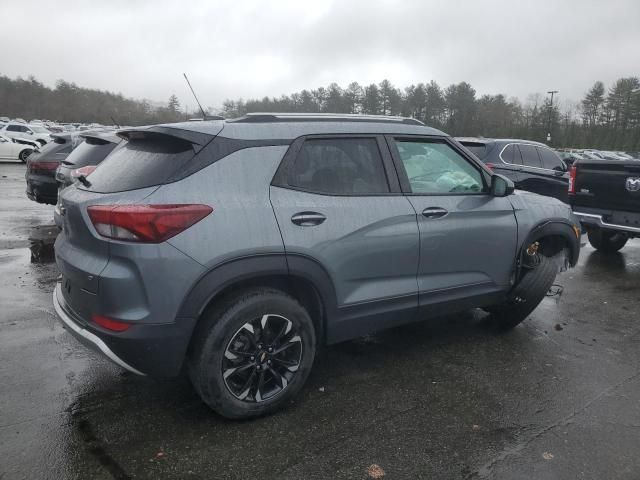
(556, 398)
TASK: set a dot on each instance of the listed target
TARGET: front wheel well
(552, 245)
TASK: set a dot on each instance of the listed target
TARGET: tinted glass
(530, 156)
(14, 128)
(342, 166)
(508, 155)
(90, 154)
(478, 149)
(434, 167)
(139, 164)
(549, 159)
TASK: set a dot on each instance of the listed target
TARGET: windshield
(38, 129)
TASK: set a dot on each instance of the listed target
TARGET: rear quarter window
(478, 149)
(140, 163)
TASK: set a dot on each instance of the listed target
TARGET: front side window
(530, 156)
(436, 168)
(341, 166)
(13, 128)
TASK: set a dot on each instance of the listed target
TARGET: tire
(24, 154)
(230, 382)
(607, 241)
(526, 296)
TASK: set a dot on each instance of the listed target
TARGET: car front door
(339, 207)
(467, 236)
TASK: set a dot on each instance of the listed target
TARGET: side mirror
(501, 186)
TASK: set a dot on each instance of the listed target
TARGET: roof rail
(268, 117)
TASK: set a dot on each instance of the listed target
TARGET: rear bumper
(597, 220)
(145, 349)
(42, 191)
(85, 336)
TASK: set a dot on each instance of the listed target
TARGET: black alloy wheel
(262, 358)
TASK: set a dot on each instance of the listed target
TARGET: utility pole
(552, 92)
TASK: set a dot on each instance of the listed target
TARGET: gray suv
(236, 248)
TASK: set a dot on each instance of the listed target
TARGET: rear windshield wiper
(83, 180)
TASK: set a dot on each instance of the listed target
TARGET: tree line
(67, 102)
(606, 118)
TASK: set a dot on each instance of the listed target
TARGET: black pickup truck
(605, 196)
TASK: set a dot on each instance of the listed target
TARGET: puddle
(41, 240)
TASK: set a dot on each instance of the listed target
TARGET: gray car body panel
(373, 263)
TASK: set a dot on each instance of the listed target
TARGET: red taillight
(572, 179)
(145, 223)
(84, 171)
(43, 165)
(490, 166)
(109, 324)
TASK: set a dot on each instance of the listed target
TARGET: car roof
(287, 126)
(496, 140)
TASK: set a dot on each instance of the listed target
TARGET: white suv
(29, 132)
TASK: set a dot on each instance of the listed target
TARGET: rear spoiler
(195, 138)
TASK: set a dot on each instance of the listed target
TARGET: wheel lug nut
(270, 349)
(253, 358)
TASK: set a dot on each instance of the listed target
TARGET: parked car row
(572, 155)
(235, 248)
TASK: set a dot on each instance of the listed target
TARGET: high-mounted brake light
(83, 171)
(145, 223)
(110, 324)
(572, 179)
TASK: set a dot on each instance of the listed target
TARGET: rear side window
(140, 163)
(530, 156)
(14, 128)
(340, 166)
(549, 159)
(90, 153)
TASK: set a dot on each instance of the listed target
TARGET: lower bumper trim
(88, 336)
(594, 219)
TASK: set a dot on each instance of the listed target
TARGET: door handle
(308, 219)
(434, 212)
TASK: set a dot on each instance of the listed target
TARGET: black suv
(532, 166)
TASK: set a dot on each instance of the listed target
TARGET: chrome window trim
(517, 165)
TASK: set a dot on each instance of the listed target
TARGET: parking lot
(555, 398)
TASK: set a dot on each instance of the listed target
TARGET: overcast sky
(254, 48)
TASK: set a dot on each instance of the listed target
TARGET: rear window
(90, 153)
(478, 149)
(141, 163)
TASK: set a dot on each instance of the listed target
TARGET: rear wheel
(608, 241)
(252, 353)
(24, 154)
(526, 296)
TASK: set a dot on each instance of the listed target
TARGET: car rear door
(535, 177)
(467, 236)
(339, 207)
